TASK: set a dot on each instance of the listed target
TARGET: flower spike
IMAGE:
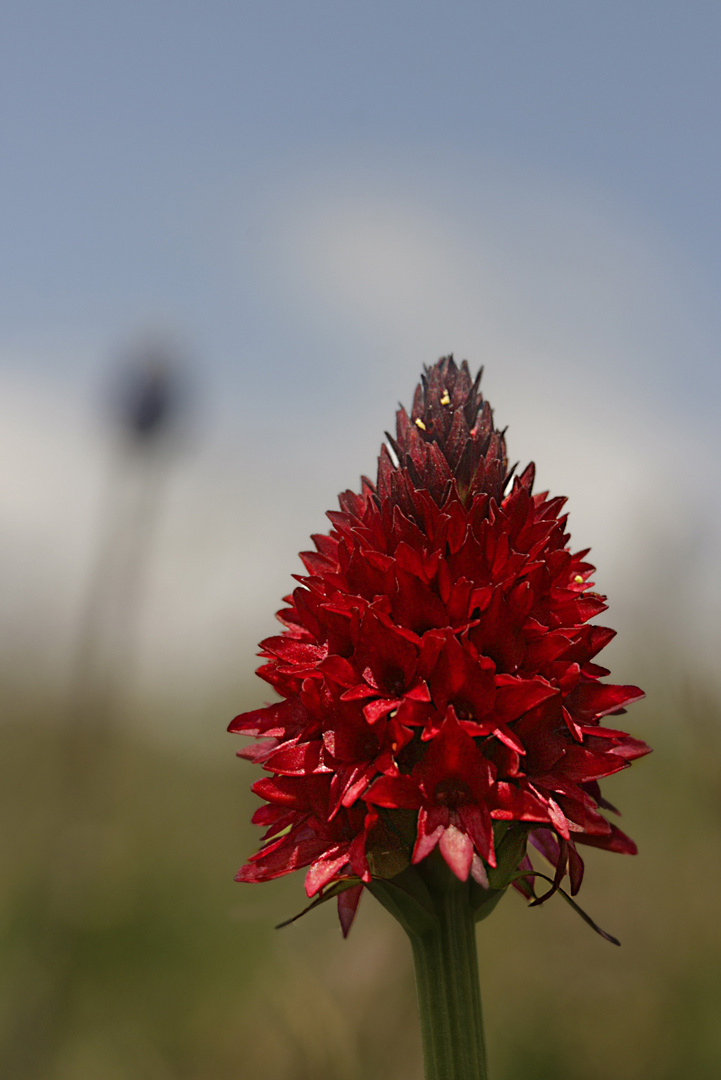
(440, 703)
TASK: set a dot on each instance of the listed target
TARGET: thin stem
(449, 996)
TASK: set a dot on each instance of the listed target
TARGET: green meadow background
(129, 953)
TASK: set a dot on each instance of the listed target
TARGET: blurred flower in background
(312, 199)
(144, 412)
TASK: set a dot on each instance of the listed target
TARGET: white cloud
(566, 305)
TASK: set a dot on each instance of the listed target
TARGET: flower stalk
(439, 914)
(449, 996)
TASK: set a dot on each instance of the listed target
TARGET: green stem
(449, 996)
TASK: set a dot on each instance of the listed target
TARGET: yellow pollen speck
(394, 746)
(446, 399)
(578, 579)
(420, 424)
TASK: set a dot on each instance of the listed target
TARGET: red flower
(437, 671)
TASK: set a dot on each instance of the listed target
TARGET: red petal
(476, 820)
(348, 902)
(394, 792)
(376, 710)
(321, 872)
(430, 828)
(514, 803)
(298, 760)
(580, 764)
(616, 841)
(594, 699)
(456, 847)
(274, 720)
(281, 860)
(516, 696)
(340, 670)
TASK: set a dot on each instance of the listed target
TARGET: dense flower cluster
(437, 671)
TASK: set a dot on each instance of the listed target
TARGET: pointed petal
(348, 902)
(456, 847)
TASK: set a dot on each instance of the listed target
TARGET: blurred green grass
(129, 952)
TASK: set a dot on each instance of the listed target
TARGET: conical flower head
(436, 674)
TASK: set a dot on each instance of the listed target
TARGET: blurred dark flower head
(147, 406)
(147, 395)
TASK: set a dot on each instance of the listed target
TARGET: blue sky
(123, 122)
(317, 198)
